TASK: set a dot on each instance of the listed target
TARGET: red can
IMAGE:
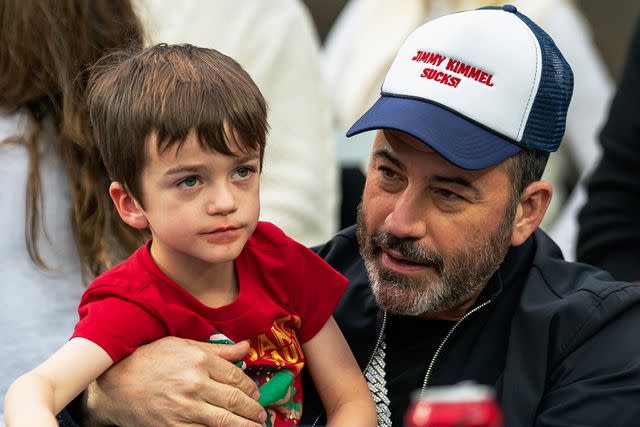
(461, 405)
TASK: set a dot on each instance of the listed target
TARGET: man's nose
(408, 217)
(220, 200)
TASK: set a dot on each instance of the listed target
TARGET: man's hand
(176, 382)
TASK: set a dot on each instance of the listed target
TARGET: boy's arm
(335, 373)
(172, 382)
(37, 396)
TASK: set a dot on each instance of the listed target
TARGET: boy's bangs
(219, 102)
(217, 125)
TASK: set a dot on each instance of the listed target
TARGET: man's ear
(531, 208)
(128, 207)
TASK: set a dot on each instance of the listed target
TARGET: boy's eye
(243, 173)
(189, 182)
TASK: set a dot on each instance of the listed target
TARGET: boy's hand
(176, 382)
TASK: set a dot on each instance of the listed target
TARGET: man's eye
(387, 173)
(189, 182)
(243, 173)
(446, 194)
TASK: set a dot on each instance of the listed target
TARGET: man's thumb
(231, 352)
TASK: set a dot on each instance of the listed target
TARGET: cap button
(509, 8)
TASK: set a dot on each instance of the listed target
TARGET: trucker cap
(477, 87)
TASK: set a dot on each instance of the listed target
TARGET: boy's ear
(531, 208)
(129, 209)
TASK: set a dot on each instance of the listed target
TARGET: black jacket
(556, 339)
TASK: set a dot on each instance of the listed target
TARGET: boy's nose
(220, 201)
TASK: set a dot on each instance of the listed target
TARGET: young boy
(181, 131)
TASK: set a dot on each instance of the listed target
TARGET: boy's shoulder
(131, 275)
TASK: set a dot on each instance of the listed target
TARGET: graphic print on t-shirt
(274, 362)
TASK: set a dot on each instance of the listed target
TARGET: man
(450, 279)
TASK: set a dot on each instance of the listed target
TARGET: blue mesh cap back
(547, 119)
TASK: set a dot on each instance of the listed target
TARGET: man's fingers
(230, 390)
(212, 416)
(232, 399)
(222, 369)
(233, 376)
(220, 418)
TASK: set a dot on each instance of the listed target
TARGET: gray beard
(453, 281)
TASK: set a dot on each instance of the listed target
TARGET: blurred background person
(58, 225)
(360, 48)
(276, 42)
(609, 235)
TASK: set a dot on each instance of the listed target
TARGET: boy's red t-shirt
(286, 295)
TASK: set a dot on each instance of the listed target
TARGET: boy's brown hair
(168, 91)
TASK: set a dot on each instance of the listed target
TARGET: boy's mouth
(223, 229)
(225, 234)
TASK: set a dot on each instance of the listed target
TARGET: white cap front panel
(484, 73)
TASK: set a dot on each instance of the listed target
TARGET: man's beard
(451, 282)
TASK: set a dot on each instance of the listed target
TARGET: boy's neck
(214, 285)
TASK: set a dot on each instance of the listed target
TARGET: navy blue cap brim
(460, 141)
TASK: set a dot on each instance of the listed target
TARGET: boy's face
(201, 206)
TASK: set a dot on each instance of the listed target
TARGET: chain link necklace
(375, 372)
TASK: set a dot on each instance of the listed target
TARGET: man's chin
(399, 297)
(398, 301)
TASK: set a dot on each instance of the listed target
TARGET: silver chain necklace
(375, 372)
